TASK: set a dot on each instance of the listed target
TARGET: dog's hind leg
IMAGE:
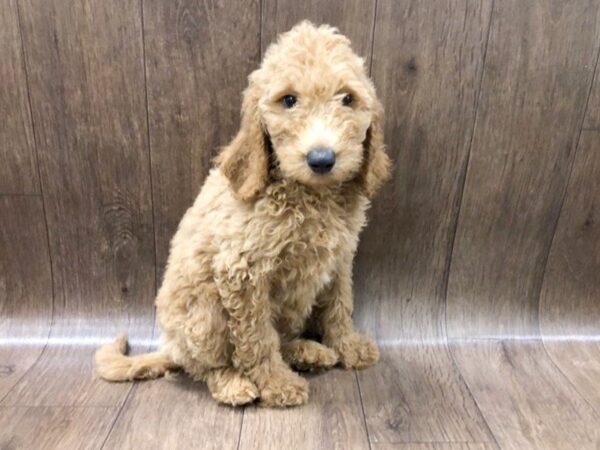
(305, 354)
(227, 385)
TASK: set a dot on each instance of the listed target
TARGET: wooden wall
(113, 109)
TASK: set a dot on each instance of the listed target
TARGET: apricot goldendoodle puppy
(266, 250)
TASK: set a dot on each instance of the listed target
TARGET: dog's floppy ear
(245, 160)
(376, 165)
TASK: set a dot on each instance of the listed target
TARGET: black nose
(321, 160)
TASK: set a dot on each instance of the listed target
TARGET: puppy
(265, 253)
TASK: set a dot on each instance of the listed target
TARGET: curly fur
(265, 253)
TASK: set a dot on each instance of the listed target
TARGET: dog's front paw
(284, 388)
(356, 351)
(304, 354)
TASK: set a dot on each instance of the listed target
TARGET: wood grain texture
(93, 157)
(436, 446)
(331, 420)
(579, 361)
(569, 299)
(526, 401)
(198, 55)
(592, 119)
(64, 376)
(54, 428)
(18, 172)
(415, 394)
(175, 414)
(427, 65)
(570, 306)
(538, 71)
(25, 287)
(86, 74)
(354, 18)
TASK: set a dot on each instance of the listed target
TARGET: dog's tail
(113, 365)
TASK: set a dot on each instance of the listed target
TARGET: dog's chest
(309, 240)
(305, 267)
(308, 259)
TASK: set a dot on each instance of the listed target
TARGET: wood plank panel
(570, 310)
(538, 72)
(198, 55)
(25, 287)
(437, 446)
(415, 394)
(354, 19)
(569, 299)
(332, 419)
(592, 118)
(526, 401)
(64, 376)
(18, 172)
(54, 428)
(579, 361)
(175, 414)
(86, 76)
(427, 66)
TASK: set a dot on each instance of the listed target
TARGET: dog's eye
(289, 100)
(347, 100)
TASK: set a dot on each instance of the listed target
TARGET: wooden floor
(479, 273)
(465, 395)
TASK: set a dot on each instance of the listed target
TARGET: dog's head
(311, 108)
